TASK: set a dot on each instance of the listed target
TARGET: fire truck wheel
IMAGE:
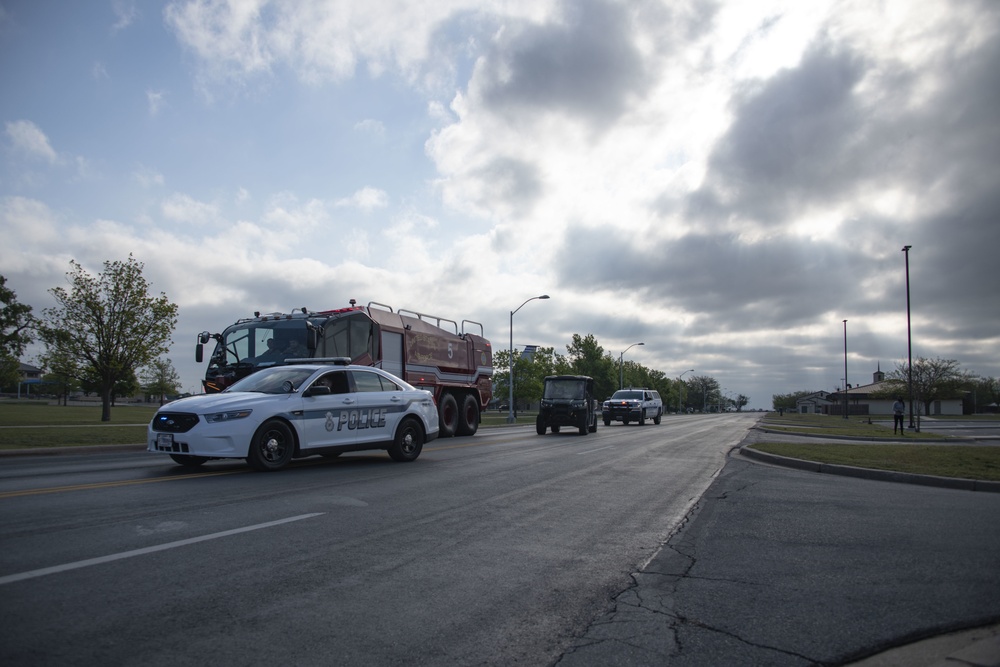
(272, 446)
(468, 422)
(189, 460)
(409, 441)
(448, 415)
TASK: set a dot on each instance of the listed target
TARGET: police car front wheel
(272, 446)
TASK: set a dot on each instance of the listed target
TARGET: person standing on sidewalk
(897, 415)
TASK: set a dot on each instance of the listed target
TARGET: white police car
(286, 412)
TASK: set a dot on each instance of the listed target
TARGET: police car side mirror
(321, 390)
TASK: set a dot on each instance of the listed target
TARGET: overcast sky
(725, 182)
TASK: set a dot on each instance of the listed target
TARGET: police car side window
(389, 385)
(337, 382)
(365, 381)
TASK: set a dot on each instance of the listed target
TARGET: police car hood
(224, 400)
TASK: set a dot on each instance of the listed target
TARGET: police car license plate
(164, 440)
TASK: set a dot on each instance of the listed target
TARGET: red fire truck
(427, 351)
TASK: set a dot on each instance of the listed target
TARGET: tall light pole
(680, 388)
(510, 378)
(621, 367)
(847, 404)
(909, 346)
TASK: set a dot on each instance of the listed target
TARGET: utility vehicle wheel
(448, 416)
(409, 441)
(540, 426)
(272, 446)
(555, 429)
(607, 422)
(584, 426)
(642, 418)
(468, 422)
(593, 427)
(656, 419)
(188, 460)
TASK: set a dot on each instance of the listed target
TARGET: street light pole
(510, 378)
(909, 346)
(621, 367)
(847, 399)
(680, 388)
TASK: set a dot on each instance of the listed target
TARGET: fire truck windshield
(261, 344)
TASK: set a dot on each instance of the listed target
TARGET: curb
(848, 437)
(870, 473)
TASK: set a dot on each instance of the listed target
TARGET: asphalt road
(496, 549)
(782, 567)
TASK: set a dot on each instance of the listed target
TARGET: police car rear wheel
(409, 441)
(272, 447)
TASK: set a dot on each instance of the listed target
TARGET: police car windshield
(627, 395)
(282, 380)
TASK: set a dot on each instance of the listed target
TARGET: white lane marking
(11, 578)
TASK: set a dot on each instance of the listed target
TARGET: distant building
(860, 400)
(815, 403)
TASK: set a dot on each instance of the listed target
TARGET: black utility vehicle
(567, 400)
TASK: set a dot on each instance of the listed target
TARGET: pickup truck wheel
(409, 441)
(189, 461)
(448, 415)
(272, 447)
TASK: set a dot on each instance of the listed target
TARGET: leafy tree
(740, 402)
(110, 322)
(588, 358)
(933, 380)
(64, 371)
(787, 401)
(985, 392)
(160, 378)
(16, 323)
(703, 391)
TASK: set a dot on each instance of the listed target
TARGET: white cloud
(155, 99)
(28, 139)
(147, 177)
(372, 127)
(365, 199)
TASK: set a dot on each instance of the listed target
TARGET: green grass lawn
(853, 427)
(968, 462)
(36, 424)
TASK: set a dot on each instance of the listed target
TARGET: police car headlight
(217, 417)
